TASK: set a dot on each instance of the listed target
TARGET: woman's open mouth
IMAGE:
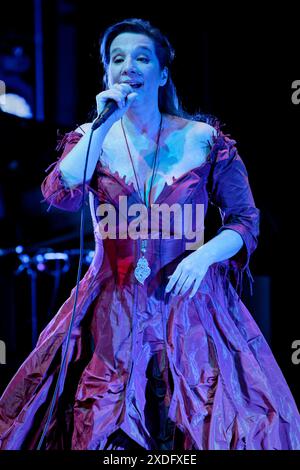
(134, 84)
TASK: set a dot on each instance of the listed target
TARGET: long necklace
(142, 269)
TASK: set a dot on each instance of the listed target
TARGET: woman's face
(133, 60)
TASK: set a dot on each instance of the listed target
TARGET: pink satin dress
(146, 369)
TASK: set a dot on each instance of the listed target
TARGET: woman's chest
(141, 164)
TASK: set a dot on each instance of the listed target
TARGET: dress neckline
(219, 142)
(130, 186)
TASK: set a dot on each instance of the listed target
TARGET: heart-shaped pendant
(142, 270)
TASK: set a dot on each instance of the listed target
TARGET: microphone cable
(81, 253)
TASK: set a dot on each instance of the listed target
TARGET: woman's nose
(130, 66)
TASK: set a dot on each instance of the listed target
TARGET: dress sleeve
(231, 193)
(54, 189)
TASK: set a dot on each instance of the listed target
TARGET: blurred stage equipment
(22, 68)
(48, 261)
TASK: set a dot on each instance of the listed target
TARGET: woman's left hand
(191, 270)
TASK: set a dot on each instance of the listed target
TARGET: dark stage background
(243, 75)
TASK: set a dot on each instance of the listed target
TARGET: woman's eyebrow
(118, 49)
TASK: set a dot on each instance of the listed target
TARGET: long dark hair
(168, 100)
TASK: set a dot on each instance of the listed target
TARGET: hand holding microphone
(112, 104)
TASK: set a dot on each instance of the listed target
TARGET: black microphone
(110, 107)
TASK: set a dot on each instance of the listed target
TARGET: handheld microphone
(110, 107)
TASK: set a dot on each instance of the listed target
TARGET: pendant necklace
(142, 269)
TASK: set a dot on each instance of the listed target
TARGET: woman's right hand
(122, 94)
